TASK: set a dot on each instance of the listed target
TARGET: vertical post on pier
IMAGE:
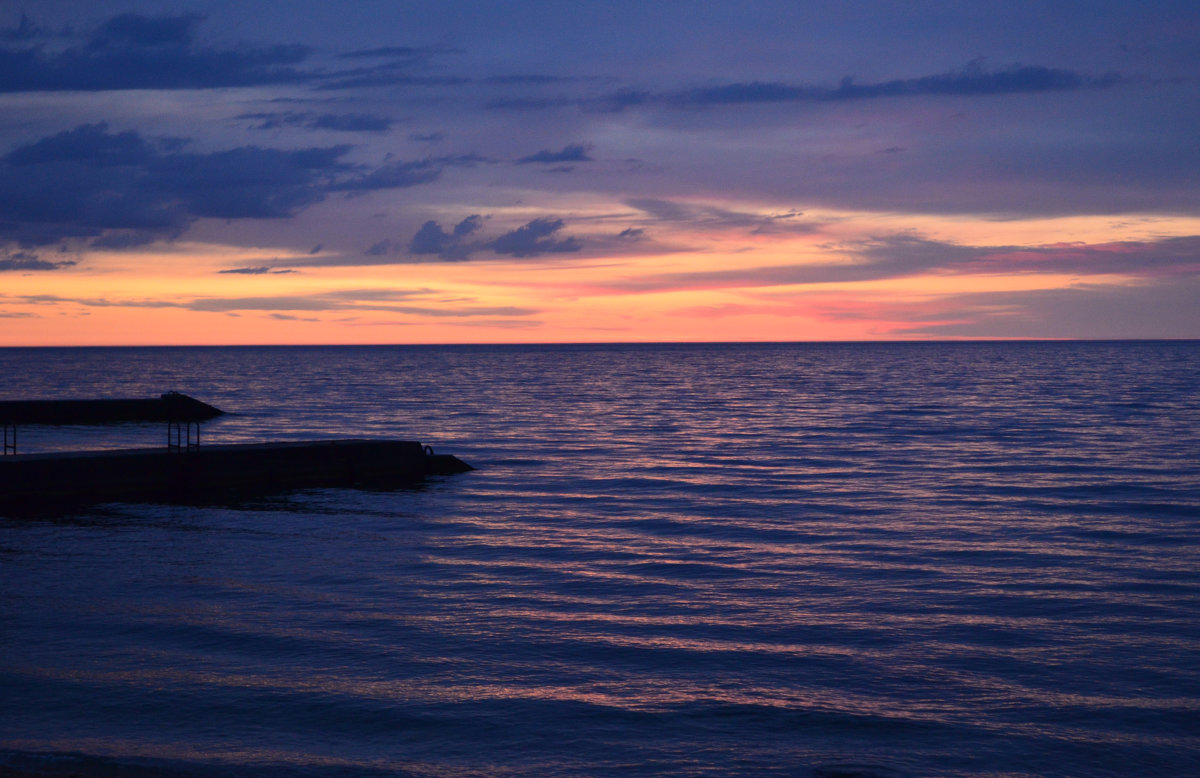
(10, 439)
(179, 435)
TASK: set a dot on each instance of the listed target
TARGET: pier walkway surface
(171, 406)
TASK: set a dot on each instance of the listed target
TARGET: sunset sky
(474, 172)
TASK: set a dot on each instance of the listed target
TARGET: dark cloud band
(121, 189)
(132, 51)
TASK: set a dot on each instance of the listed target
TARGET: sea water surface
(968, 559)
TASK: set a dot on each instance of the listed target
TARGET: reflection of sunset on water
(668, 553)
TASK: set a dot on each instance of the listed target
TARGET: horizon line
(610, 343)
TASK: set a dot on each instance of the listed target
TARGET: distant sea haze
(924, 559)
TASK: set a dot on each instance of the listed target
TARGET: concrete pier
(40, 482)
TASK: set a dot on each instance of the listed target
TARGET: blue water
(797, 560)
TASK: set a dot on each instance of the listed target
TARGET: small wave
(856, 770)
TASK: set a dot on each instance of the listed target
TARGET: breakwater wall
(32, 483)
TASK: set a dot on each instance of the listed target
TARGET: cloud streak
(360, 300)
(534, 239)
(256, 271)
(1157, 308)
(134, 51)
(27, 261)
(432, 240)
(404, 174)
(336, 122)
(681, 213)
(972, 80)
(122, 189)
(905, 256)
(84, 182)
(575, 152)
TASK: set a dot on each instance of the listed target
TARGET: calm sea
(867, 560)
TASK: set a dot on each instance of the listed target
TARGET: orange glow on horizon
(692, 282)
